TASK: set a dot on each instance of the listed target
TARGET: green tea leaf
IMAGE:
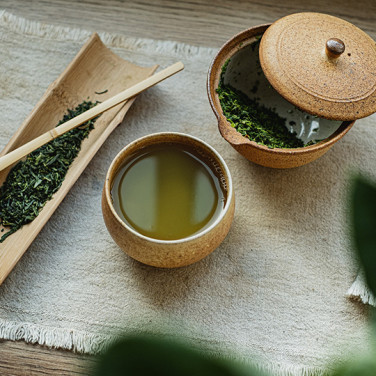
(360, 367)
(32, 182)
(253, 120)
(141, 356)
(364, 225)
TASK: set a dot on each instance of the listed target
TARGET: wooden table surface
(197, 22)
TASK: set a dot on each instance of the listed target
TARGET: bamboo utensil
(94, 69)
(46, 137)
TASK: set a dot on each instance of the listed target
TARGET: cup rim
(224, 168)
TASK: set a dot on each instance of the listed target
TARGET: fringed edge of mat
(359, 291)
(78, 341)
(88, 343)
(289, 370)
(56, 32)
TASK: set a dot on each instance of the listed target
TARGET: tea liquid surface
(166, 192)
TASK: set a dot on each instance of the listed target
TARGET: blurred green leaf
(364, 226)
(149, 355)
(358, 367)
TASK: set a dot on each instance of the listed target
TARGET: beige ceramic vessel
(262, 155)
(322, 64)
(169, 253)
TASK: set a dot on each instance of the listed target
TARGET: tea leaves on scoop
(33, 181)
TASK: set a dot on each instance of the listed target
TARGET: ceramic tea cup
(245, 74)
(169, 253)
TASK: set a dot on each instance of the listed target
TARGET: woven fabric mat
(274, 292)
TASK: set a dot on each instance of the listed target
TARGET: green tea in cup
(168, 191)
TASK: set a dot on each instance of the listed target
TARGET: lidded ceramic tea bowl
(318, 64)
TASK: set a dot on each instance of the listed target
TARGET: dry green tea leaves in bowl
(249, 117)
(284, 94)
(258, 112)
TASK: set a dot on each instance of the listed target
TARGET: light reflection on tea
(166, 192)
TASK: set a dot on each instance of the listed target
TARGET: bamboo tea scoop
(32, 145)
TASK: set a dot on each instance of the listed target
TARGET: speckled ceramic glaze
(306, 126)
(322, 64)
(169, 253)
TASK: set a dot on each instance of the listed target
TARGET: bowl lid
(322, 64)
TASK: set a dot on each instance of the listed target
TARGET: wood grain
(197, 22)
(19, 358)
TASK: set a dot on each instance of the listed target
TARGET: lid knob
(334, 48)
(331, 82)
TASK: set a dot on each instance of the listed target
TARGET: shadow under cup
(170, 253)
